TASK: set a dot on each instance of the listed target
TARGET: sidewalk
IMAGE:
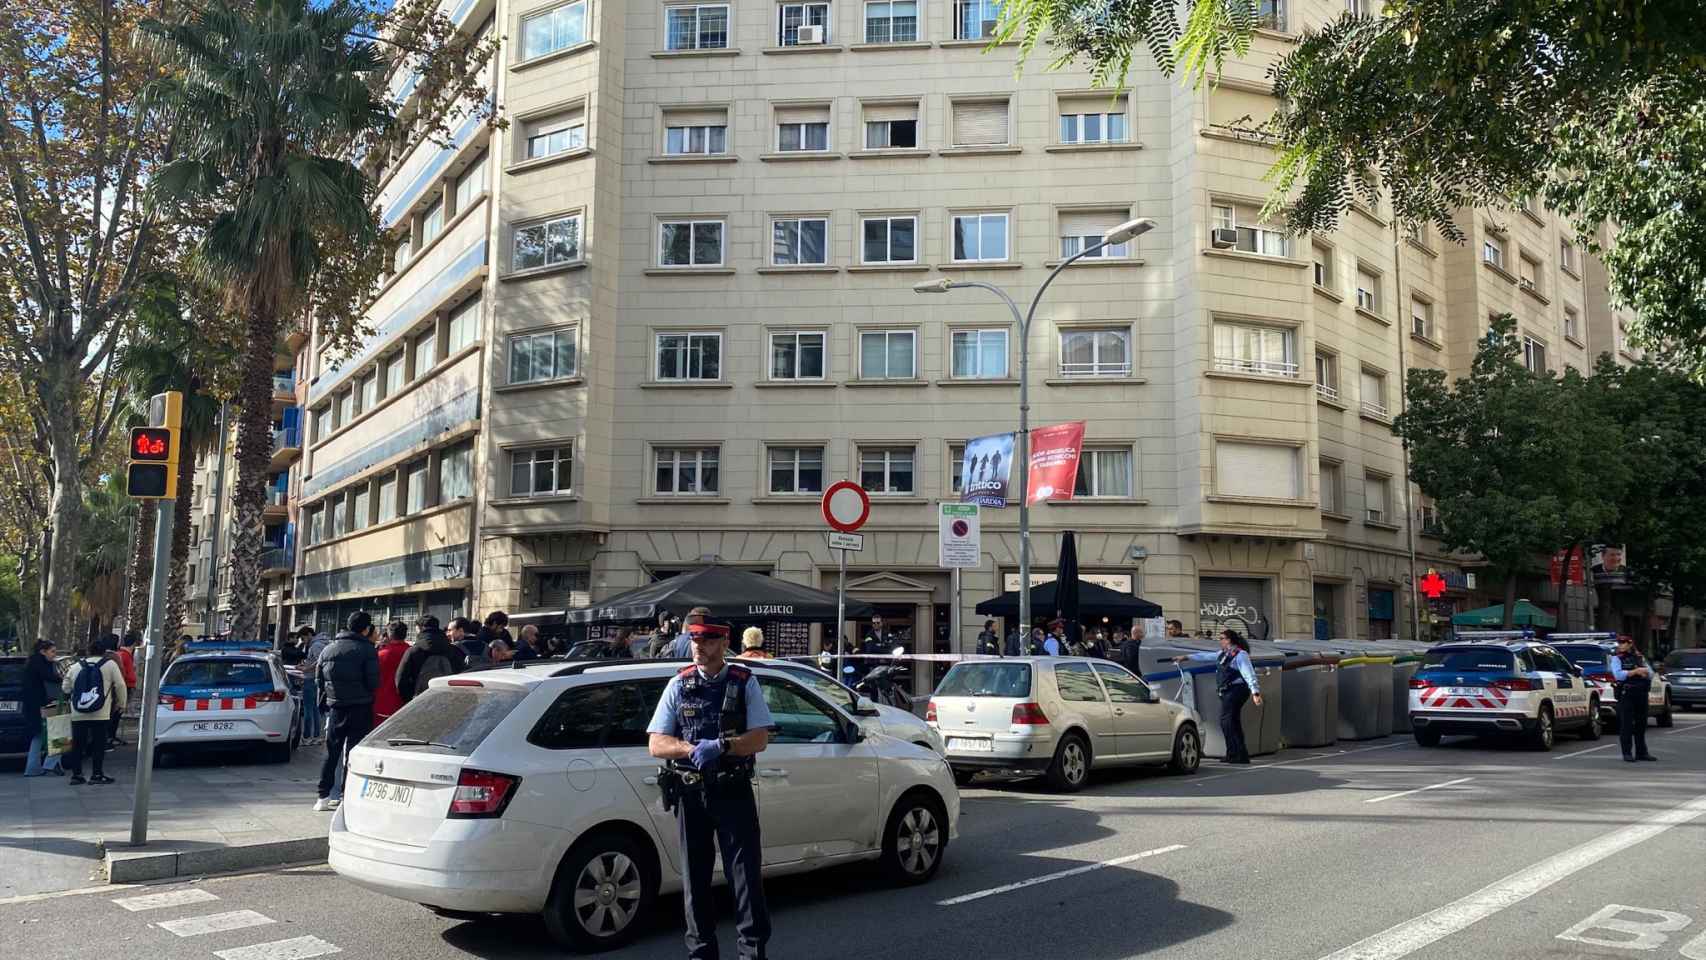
(219, 811)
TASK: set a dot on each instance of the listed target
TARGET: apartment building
(645, 325)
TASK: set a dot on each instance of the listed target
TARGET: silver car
(1060, 717)
(873, 717)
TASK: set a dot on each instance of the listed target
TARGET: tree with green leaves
(1599, 106)
(1520, 464)
(274, 99)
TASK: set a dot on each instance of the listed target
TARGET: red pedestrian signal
(151, 443)
(152, 473)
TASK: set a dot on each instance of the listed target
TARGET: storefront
(1237, 603)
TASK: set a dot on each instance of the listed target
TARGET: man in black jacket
(348, 677)
(431, 655)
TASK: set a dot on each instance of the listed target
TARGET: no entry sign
(846, 506)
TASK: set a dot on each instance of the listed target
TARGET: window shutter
(1256, 470)
(555, 121)
(980, 124)
(696, 118)
(563, 588)
(817, 114)
(875, 112)
(1089, 223)
(1373, 388)
(1093, 105)
(1227, 107)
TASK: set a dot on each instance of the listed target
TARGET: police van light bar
(227, 646)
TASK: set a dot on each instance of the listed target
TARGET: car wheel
(601, 892)
(1187, 751)
(963, 778)
(1543, 735)
(914, 840)
(278, 752)
(1426, 738)
(1666, 717)
(1592, 729)
(1070, 769)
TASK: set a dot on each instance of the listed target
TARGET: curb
(127, 866)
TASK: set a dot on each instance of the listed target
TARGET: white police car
(1515, 687)
(228, 695)
(1594, 657)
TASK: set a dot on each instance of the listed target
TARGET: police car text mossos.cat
(227, 695)
(1511, 687)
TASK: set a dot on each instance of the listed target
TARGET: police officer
(1634, 684)
(709, 725)
(1235, 680)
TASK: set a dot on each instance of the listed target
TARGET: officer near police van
(1634, 678)
(709, 726)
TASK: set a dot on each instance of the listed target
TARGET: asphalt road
(1364, 851)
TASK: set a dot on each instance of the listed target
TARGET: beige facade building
(645, 325)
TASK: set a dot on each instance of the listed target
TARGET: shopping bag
(59, 735)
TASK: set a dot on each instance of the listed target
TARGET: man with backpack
(431, 655)
(97, 691)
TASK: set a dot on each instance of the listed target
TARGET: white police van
(1501, 683)
(228, 695)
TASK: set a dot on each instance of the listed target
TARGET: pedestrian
(313, 722)
(527, 646)
(710, 738)
(124, 652)
(473, 654)
(1052, 642)
(498, 653)
(1235, 680)
(40, 695)
(682, 647)
(348, 675)
(431, 655)
(290, 653)
(752, 645)
(96, 687)
(493, 628)
(1015, 643)
(661, 638)
(1634, 679)
(988, 640)
(386, 700)
(1175, 628)
(1129, 651)
(460, 631)
(1097, 645)
(630, 645)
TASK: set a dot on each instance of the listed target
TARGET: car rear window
(451, 720)
(1470, 660)
(218, 673)
(987, 680)
(11, 675)
(1583, 656)
(1686, 660)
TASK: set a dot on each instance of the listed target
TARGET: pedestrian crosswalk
(225, 922)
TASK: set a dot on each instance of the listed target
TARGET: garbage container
(1310, 715)
(1264, 726)
(1404, 667)
(1365, 694)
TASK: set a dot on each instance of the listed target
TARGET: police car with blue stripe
(228, 695)
(1501, 683)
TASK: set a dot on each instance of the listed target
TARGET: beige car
(1060, 717)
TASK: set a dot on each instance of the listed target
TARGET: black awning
(1093, 601)
(731, 594)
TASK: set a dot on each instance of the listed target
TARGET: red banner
(1577, 576)
(1054, 461)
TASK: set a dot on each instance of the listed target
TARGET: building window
(891, 126)
(415, 487)
(1427, 516)
(799, 241)
(1270, 14)
(980, 237)
(541, 472)
(886, 469)
(1368, 290)
(1103, 472)
(464, 325)
(889, 239)
(555, 134)
(553, 30)
(956, 466)
(1081, 125)
(395, 373)
(471, 183)
(551, 242)
(324, 425)
(1248, 234)
(1332, 487)
(400, 256)
(1567, 255)
(432, 223)
(690, 132)
(802, 136)
(1083, 230)
(976, 19)
(311, 529)
(887, 355)
(426, 351)
(1374, 393)
(703, 27)
(456, 473)
(1327, 375)
(690, 243)
(360, 504)
(980, 123)
(980, 354)
(887, 22)
(1249, 348)
(687, 471)
(346, 408)
(796, 469)
(1095, 353)
(1322, 257)
(1533, 355)
(1377, 488)
(1528, 273)
(337, 513)
(791, 17)
(689, 356)
(1264, 470)
(1493, 252)
(548, 355)
(797, 355)
(369, 392)
(1572, 323)
(388, 498)
(1359, 8)
(1421, 318)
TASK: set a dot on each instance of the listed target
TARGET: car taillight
(1417, 683)
(1028, 714)
(480, 794)
(1602, 677)
(930, 712)
(170, 700)
(1514, 683)
(277, 696)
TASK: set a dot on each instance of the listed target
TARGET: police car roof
(1509, 643)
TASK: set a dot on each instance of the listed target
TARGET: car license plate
(1690, 681)
(11, 706)
(380, 791)
(1466, 691)
(213, 726)
(971, 744)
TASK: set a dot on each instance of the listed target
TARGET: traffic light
(153, 470)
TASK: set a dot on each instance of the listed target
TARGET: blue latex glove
(706, 754)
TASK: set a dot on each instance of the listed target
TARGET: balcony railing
(277, 496)
(1327, 392)
(283, 384)
(1375, 408)
(286, 437)
(1266, 368)
(1095, 368)
(275, 558)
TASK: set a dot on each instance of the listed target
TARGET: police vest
(1630, 661)
(714, 708)
(1226, 675)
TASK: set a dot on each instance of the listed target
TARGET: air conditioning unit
(1223, 238)
(989, 28)
(811, 35)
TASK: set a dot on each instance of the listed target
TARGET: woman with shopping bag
(40, 698)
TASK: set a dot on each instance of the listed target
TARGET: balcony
(277, 503)
(286, 447)
(1260, 368)
(275, 561)
(296, 334)
(1376, 409)
(1327, 392)
(1090, 369)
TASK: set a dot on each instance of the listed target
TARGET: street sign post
(846, 541)
(958, 542)
(153, 475)
(845, 508)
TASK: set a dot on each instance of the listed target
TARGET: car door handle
(1119, 712)
(650, 781)
(772, 773)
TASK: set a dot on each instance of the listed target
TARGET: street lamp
(1117, 235)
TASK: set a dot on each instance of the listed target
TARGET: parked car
(16, 729)
(874, 717)
(1518, 688)
(1060, 717)
(1686, 671)
(1595, 661)
(518, 791)
(231, 697)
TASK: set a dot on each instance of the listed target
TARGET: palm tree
(103, 551)
(268, 97)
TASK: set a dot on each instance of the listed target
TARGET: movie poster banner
(987, 470)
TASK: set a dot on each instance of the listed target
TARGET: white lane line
(1405, 793)
(175, 898)
(1412, 935)
(1022, 884)
(1577, 753)
(215, 923)
(296, 948)
(1254, 767)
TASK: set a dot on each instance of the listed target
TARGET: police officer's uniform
(718, 805)
(1632, 694)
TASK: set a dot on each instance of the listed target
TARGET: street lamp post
(1022, 452)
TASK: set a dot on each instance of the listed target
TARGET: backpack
(435, 665)
(89, 692)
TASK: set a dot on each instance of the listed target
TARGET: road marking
(215, 923)
(175, 898)
(1577, 753)
(1394, 796)
(1281, 763)
(1412, 935)
(296, 948)
(1022, 884)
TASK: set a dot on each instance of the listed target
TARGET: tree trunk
(65, 518)
(177, 586)
(254, 456)
(26, 602)
(1644, 635)
(141, 572)
(1510, 600)
(1675, 613)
